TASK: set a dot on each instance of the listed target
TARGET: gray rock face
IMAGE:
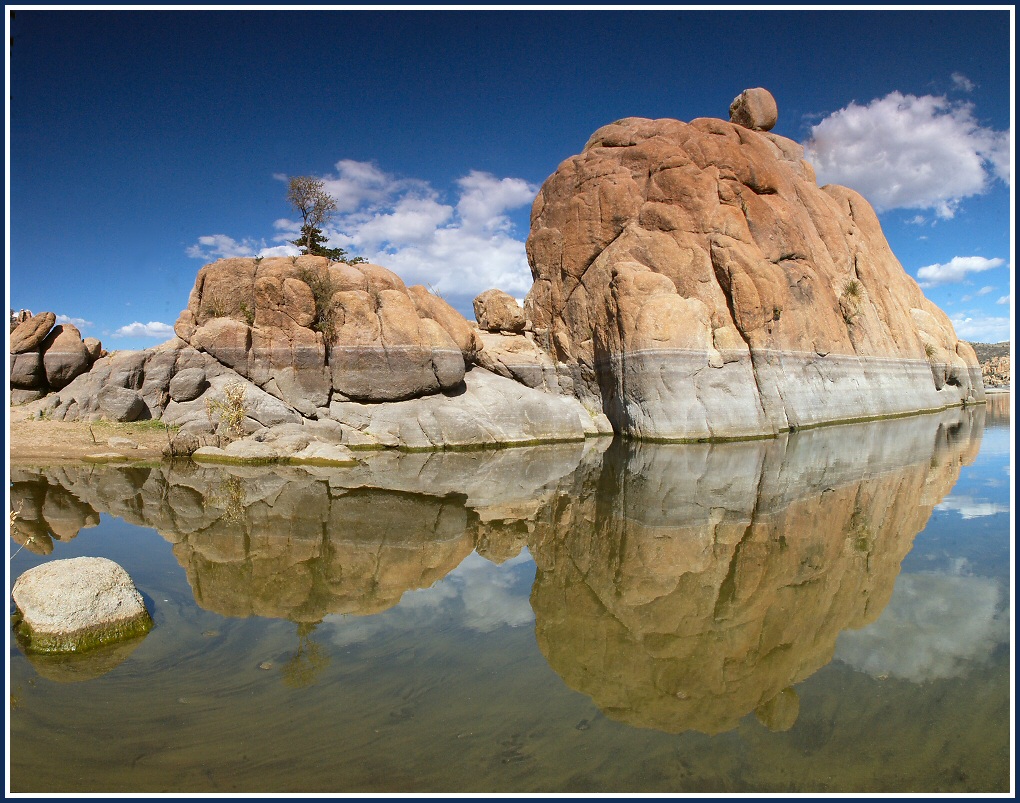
(518, 357)
(188, 384)
(492, 410)
(243, 451)
(147, 374)
(120, 404)
(27, 370)
(20, 396)
(77, 604)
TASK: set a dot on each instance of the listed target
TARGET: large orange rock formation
(696, 282)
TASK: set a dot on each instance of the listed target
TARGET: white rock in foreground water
(77, 604)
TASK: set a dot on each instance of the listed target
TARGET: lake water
(828, 611)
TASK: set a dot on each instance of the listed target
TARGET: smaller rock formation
(755, 109)
(76, 605)
(45, 357)
(497, 311)
(304, 329)
(31, 332)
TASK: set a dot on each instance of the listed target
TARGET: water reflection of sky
(971, 508)
(935, 625)
(478, 595)
(950, 607)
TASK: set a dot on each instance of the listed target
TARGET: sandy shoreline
(40, 442)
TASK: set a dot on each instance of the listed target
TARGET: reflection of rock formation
(997, 405)
(700, 582)
(44, 512)
(303, 543)
(681, 587)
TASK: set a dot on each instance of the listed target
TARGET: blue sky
(143, 144)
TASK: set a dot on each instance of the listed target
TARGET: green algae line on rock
(78, 604)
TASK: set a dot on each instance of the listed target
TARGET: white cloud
(485, 596)
(292, 227)
(79, 323)
(484, 199)
(490, 597)
(412, 222)
(934, 626)
(477, 595)
(1003, 300)
(357, 184)
(962, 82)
(150, 329)
(990, 329)
(219, 246)
(970, 508)
(459, 247)
(985, 290)
(955, 270)
(280, 251)
(917, 220)
(904, 151)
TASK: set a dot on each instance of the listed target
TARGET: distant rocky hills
(994, 360)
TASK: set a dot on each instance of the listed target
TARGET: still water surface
(828, 611)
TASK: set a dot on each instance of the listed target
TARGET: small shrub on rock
(231, 409)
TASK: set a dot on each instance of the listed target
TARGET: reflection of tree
(304, 666)
(230, 498)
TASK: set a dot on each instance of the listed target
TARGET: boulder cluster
(45, 356)
(691, 282)
(327, 353)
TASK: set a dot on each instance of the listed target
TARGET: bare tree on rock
(308, 195)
